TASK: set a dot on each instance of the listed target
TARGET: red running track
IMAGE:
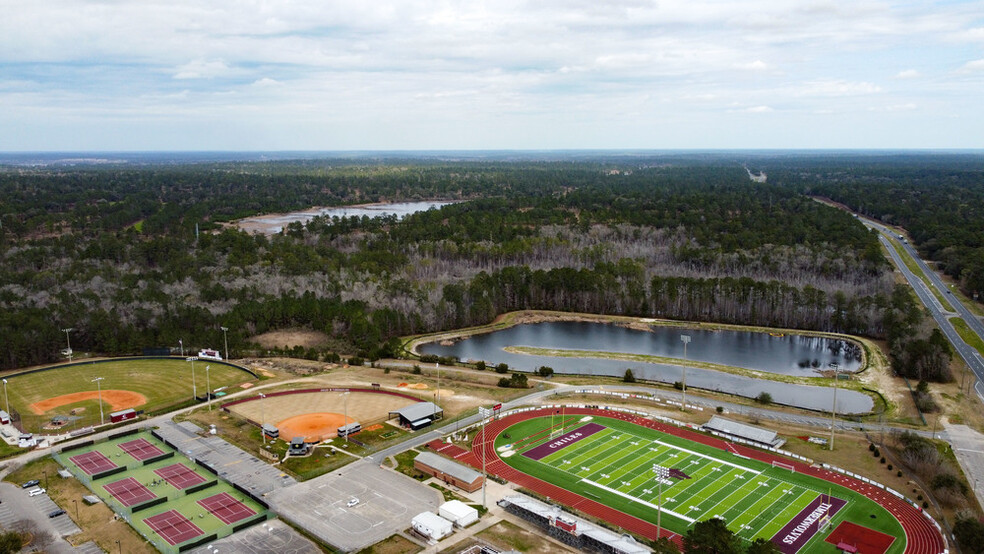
(922, 537)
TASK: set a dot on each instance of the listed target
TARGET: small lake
(275, 223)
(795, 355)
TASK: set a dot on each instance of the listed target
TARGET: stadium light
(208, 389)
(345, 421)
(69, 342)
(662, 473)
(262, 418)
(102, 420)
(438, 366)
(833, 408)
(194, 385)
(181, 344)
(225, 339)
(5, 399)
(686, 340)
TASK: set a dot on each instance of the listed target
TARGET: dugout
(416, 416)
(297, 447)
(270, 431)
(4, 417)
(122, 415)
(451, 472)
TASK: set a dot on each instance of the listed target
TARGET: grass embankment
(165, 383)
(967, 334)
(98, 523)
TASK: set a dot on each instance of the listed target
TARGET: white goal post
(784, 465)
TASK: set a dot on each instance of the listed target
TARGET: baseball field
(71, 395)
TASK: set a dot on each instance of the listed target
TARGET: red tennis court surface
(865, 540)
(226, 508)
(179, 476)
(129, 491)
(173, 527)
(92, 462)
(140, 449)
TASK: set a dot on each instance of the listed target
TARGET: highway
(969, 354)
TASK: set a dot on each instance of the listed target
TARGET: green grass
(614, 465)
(968, 335)
(166, 383)
(186, 504)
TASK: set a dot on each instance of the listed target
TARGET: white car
(36, 492)
(352, 503)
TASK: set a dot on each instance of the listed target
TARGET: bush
(416, 369)
(355, 360)
(764, 398)
(890, 467)
(502, 368)
(899, 474)
(720, 409)
(877, 453)
(480, 365)
(628, 377)
(545, 371)
(678, 385)
(882, 460)
(871, 447)
(516, 381)
(925, 505)
(386, 370)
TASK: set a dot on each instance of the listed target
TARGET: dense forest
(113, 253)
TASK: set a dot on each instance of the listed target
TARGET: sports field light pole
(262, 418)
(208, 389)
(102, 421)
(5, 399)
(484, 413)
(194, 385)
(661, 474)
(225, 339)
(181, 344)
(346, 395)
(686, 340)
(833, 408)
(69, 341)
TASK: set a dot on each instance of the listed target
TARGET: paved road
(969, 354)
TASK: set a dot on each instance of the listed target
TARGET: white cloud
(202, 69)
(908, 74)
(973, 66)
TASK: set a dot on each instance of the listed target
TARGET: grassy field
(184, 503)
(968, 336)
(614, 466)
(166, 383)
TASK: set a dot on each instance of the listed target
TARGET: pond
(795, 355)
(274, 223)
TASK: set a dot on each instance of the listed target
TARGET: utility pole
(686, 340)
(833, 408)
(225, 339)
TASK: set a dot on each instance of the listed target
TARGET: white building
(431, 525)
(458, 512)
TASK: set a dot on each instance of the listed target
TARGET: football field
(629, 467)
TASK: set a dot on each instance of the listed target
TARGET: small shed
(4, 417)
(431, 525)
(458, 512)
(122, 415)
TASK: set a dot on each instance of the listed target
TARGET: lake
(796, 355)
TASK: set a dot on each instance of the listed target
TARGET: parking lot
(387, 502)
(270, 536)
(17, 506)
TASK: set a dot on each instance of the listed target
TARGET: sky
(122, 75)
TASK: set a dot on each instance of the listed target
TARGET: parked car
(31, 483)
(352, 503)
(36, 492)
(56, 513)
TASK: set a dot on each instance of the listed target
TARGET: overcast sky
(504, 74)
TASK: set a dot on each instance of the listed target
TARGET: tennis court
(129, 491)
(226, 508)
(173, 527)
(93, 462)
(179, 476)
(141, 449)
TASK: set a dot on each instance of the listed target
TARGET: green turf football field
(615, 467)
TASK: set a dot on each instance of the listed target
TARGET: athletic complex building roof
(743, 431)
(418, 411)
(450, 467)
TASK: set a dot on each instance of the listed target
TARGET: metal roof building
(449, 471)
(742, 431)
(418, 415)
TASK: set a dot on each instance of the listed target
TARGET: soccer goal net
(784, 465)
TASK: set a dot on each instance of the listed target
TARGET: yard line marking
(643, 502)
(708, 457)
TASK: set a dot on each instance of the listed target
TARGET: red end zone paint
(801, 528)
(554, 445)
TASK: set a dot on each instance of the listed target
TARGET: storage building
(458, 512)
(123, 415)
(431, 525)
(4, 417)
(418, 415)
(449, 471)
